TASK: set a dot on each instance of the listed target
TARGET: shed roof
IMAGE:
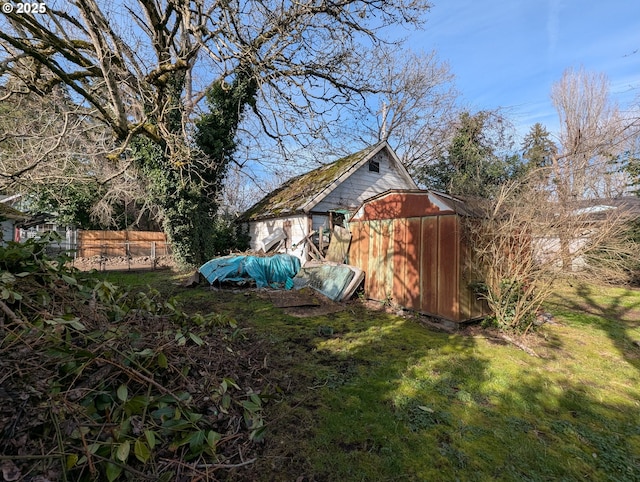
(400, 203)
(302, 193)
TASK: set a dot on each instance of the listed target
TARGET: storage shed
(410, 245)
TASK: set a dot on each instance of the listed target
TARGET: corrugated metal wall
(417, 262)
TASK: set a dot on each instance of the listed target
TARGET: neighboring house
(36, 225)
(9, 217)
(589, 215)
(325, 197)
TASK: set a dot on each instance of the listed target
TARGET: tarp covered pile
(336, 281)
(270, 271)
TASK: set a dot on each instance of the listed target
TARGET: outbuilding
(410, 245)
(317, 201)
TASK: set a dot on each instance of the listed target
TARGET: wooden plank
(339, 245)
(146, 236)
(399, 270)
(373, 281)
(120, 243)
(366, 253)
(412, 252)
(312, 249)
(354, 255)
(386, 260)
(359, 249)
(429, 265)
(448, 268)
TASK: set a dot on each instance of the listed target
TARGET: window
(374, 165)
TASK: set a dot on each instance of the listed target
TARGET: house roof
(7, 212)
(627, 203)
(302, 193)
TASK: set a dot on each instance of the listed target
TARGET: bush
(511, 302)
(229, 235)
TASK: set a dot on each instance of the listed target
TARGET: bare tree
(560, 219)
(143, 70)
(592, 136)
(49, 150)
(415, 108)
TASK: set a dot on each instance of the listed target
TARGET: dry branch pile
(97, 383)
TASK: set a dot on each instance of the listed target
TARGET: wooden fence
(128, 244)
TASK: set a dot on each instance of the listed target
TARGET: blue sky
(508, 53)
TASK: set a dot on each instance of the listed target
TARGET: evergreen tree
(538, 147)
(471, 165)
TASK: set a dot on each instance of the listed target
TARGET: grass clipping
(98, 383)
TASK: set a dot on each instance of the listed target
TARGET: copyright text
(24, 7)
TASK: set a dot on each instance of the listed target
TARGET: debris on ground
(274, 271)
(337, 282)
(101, 384)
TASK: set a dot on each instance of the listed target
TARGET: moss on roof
(297, 192)
(7, 212)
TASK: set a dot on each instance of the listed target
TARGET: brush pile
(97, 383)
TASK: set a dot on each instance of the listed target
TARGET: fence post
(153, 255)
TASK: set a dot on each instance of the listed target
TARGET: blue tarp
(266, 271)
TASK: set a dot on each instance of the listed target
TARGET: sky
(508, 53)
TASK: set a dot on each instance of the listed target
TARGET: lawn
(364, 394)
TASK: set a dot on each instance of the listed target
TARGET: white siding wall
(547, 250)
(258, 230)
(363, 184)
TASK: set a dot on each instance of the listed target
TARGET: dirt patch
(303, 303)
(123, 263)
(293, 299)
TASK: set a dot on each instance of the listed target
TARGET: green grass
(384, 398)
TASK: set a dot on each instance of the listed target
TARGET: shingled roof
(301, 193)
